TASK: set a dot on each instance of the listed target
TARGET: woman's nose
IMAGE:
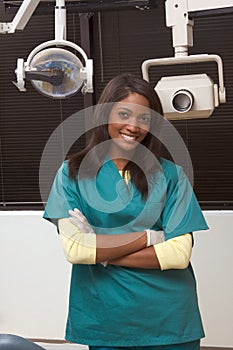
(133, 125)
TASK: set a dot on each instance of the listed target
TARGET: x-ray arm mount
(178, 14)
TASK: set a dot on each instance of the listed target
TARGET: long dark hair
(116, 90)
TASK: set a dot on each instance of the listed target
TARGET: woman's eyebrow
(125, 108)
(146, 112)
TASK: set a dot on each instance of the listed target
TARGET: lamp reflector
(53, 60)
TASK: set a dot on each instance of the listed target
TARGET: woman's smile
(128, 138)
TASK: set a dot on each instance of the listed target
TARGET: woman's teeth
(128, 138)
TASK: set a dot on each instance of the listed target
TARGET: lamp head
(64, 71)
(55, 72)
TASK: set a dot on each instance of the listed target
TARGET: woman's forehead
(134, 102)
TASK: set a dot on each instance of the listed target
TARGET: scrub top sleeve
(182, 213)
(63, 196)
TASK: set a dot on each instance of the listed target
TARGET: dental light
(53, 70)
(188, 96)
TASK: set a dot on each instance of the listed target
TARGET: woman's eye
(123, 115)
(145, 119)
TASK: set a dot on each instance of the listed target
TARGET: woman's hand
(154, 237)
(79, 220)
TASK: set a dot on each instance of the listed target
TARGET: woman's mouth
(128, 138)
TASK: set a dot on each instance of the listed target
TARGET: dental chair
(14, 342)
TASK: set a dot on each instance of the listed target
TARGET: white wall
(34, 277)
(213, 264)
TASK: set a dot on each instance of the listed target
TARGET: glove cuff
(148, 237)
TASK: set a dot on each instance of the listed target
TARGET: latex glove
(79, 220)
(154, 237)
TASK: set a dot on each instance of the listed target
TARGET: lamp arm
(177, 17)
(21, 18)
(200, 5)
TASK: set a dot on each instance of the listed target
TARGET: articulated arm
(21, 18)
(177, 17)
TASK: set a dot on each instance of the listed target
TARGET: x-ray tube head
(182, 101)
(187, 96)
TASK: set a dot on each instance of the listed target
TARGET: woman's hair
(117, 90)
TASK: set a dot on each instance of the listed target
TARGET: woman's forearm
(89, 248)
(144, 258)
(110, 247)
(174, 253)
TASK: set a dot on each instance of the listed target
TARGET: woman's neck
(120, 158)
(120, 163)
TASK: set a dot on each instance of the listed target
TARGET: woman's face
(129, 122)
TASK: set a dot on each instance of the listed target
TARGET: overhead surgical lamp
(188, 96)
(53, 70)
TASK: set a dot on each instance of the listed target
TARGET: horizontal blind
(121, 41)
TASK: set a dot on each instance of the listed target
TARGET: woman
(130, 236)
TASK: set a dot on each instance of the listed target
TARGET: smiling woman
(125, 217)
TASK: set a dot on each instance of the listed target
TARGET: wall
(213, 264)
(34, 277)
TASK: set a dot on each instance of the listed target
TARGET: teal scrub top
(119, 306)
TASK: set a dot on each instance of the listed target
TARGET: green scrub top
(120, 306)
